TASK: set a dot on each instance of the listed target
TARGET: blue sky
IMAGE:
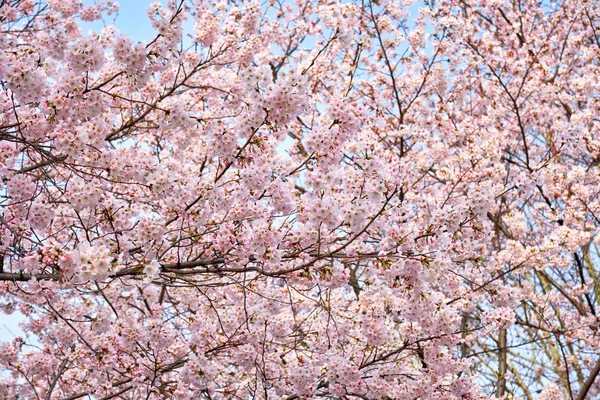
(131, 20)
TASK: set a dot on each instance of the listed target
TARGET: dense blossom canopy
(376, 199)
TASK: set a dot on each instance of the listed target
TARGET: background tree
(363, 199)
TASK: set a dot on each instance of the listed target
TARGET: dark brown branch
(589, 382)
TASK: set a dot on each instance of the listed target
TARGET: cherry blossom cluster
(301, 199)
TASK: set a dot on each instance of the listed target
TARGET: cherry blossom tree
(373, 199)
